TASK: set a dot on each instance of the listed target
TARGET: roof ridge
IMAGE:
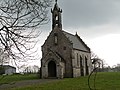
(68, 33)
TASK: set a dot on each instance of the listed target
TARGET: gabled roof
(77, 42)
(55, 53)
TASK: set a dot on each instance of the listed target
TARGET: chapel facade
(64, 54)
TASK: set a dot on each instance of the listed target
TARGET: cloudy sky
(96, 21)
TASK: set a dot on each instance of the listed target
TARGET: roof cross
(56, 1)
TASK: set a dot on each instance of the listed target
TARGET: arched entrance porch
(51, 69)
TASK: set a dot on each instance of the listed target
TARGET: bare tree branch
(18, 22)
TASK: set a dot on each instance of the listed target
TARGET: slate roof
(77, 42)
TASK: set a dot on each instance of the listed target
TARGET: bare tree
(96, 61)
(97, 66)
(18, 22)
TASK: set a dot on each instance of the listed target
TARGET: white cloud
(107, 47)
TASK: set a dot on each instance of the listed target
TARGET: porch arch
(52, 69)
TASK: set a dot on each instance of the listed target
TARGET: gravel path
(25, 83)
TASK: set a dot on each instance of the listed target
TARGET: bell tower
(56, 16)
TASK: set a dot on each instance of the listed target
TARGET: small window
(55, 38)
(64, 48)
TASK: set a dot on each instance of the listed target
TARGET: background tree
(19, 20)
(4, 58)
(96, 61)
(116, 68)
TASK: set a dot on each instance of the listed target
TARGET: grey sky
(95, 21)
(84, 14)
(90, 18)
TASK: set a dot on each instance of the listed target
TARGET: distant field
(17, 77)
(104, 81)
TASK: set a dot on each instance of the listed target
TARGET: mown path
(25, 83)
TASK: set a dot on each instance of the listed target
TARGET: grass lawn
(104, 81)
(17, 77)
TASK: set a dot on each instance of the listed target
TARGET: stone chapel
(64, 54)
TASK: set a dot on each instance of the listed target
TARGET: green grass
(17, 77)
(104, 81)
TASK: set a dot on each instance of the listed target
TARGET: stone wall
(62, 48)
(76, 62)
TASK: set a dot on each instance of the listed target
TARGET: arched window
(81, 66)
(77, 60)
(86, 65)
